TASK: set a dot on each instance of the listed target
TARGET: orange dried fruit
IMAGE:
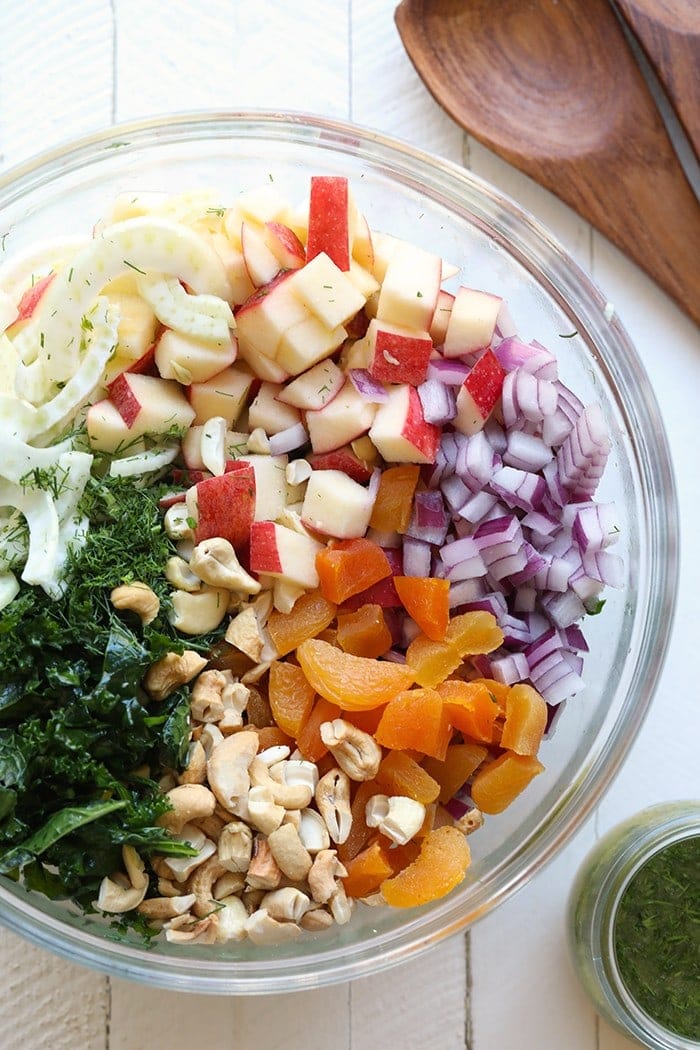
(394, 503)
(426, 600)
(473, 633)
(311, 614)
(467, 634)
(354, 683)
(400, 774)
(498, 782)
(458, 765)
(309, 739)
(290, 695)
(470, 707)
(431, 661)
(350, 566)
(440, 866)
(526, 720)
(364, 632)
(360, 833)
(415, 718)
(367, 870)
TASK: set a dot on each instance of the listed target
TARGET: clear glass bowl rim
(568, 284)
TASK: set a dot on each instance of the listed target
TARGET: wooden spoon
(552, 86)
(669, 34)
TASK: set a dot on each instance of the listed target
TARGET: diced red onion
(476, 461)
(469, 569)
(493, 603)
(496, 531)
(535, 563)
(509, 669)
(429, 521)
(501, 568)
(394, 656)
(438, 401)
(515, 631)
(455, 492)
(606, 567)
(475, 509)
(595, 527)
(526, 451)
(416, 557)
(554, 713)
(460, 550)
(563, 609)
(465, 591)
(586, 587)
(518, 488)
(367, 386)
(540, 522)
(287, 440)
(525, 600)
(505, 326)
(532, 357)
(451, 372)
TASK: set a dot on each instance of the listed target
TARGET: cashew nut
(206, 699)
(316, 919)
(398, 817)
(233, 917)
(341, 905)
(190, 802)
(201, 883)
(137, 597)
(263, 929)
(313, 831)
(245, 634)
(286, 904)
(293, 858)
(198, 612)
(263, 812)
(325, 869)
(356, 752)
(264, 872)
(291, 796)
(184, 929)
(171, 671)
(231, 882)
(196, 769)
(333, 801)
(210, 738)
(227, 768)
(124, 892)
(166, 907)
(235, 846)
(285, 595)
(215, 562)
(178, 572)
(177, 522)
(180, 868)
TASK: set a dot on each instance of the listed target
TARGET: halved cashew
(293, 858)
(264, 872)
(210, 737)
(212, 826)
(216, 563)
(178, 572)
(227, 768)
(166, 907)
(123, 892)
(177, 522)
(313, 831)
(472, 820)
(274, 757)
(325, 869)
(286, 904)
(263, 811)
(341, 905)
(230, 883)
(296, 771)
(397, 816)
(245, 633)
(356, 752)
(201, 883)
(137, 597)
(186, 929)
(171, 671)
(333, 801)
(233, 917)
(285, 595)
(198, 612)
(166, 887)
(316, 919)
(291, 796)
(235, 846)
(190, 802)
(196, 769)
(263, 929)
(180, 868)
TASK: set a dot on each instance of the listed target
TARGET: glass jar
(594, 904)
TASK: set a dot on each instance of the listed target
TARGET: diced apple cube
(441, 317)
(262, 204)
(106, 428)
(472, 322)
(329, 220)
(398, 354)
(224, 507)
(346, 460)
(363, 280)
(267, 315)
(284, 245)
(234, 264)
(224, 395)
(335, 505)
(190, 360)
(479, 394)
(149, 405)
(213, 445)
(361, 236)
(306, 343)
(262, 265)
(400, 432)
(342, 420)
(284, 554)
(384, 245)
(261, 366)
(270, 484)
(315, 388)
(267, 412)
(326, 291)
(410, 288)
(137, 325)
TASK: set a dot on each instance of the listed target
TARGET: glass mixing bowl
(499, 248)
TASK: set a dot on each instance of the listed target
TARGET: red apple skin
(188, 477)
(411, 354)
(328, 220)
(122, 397)
(485, 382)
(357, 326)
(425, 436)
(170, 499)
(31, 298)
(226, 506)
(285, 245)
(145, 365)
(264, 555)
(262, 292)
(342, 459)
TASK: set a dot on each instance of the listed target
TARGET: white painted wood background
(69, 68)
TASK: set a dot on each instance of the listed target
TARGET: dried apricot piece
(354, 683)
(360, 833)
(364, 632)
(400, 774)
(458, 765)
(500, 781)
(367, 721)
(311, 614)
(426, 600)
(350, 566)
(394, 503)
(290, 695)
(309, 739)
(367, 870)
(415, 718)
(470, 708)
(473, 633)
(526, 720)
(431, 661)
(440, 866)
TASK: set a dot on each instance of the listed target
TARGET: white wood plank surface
(508, 984)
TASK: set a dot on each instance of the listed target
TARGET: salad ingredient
(352, 682)
(415, 719)
(443, 860)
(346, 569)
(364, 632)
(400, 774)
(498, 782)
(426, 599)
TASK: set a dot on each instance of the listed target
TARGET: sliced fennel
(202, 316)
(144, 462)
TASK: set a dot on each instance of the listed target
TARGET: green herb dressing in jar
(634, 926)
